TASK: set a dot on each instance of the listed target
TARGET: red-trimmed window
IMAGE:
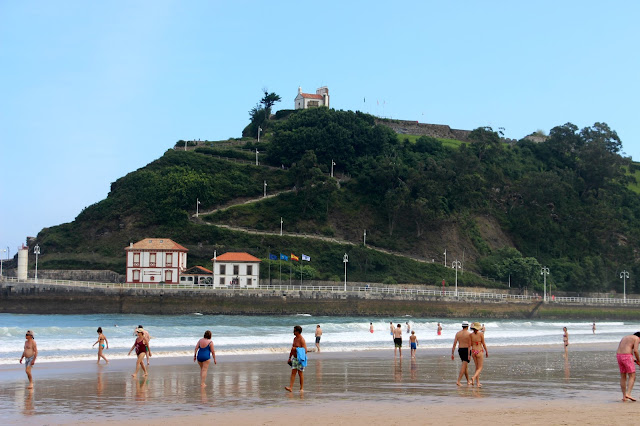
(136, 259)
(152, 260)
(169, 261)
(136, 276)
(168, 276)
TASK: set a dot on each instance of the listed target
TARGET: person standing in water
(478, 350)
(141, 349)
(391, 328)
(408, 327)
(297, 358)
(593, 327)
(439, 330)
(397, 340)
(627, 349)
(463, 340)
(102, 341)
(413, 340)
(318, 337)
(370, 327)
(565, 339)
(203, 353)
(29, 354)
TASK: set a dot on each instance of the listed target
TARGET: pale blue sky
(94, 90)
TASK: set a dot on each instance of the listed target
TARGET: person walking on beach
(141, 349)
(318, 336)
(593, 327)
(102, 340)
(413, 340)
(147, 338)
(463, 340)
(29, 354)
(297, 358)
(439, 330)
(203, 353)
(478, 350)
(565, 339)
(370, 327)
(397, 340)
(627, 349)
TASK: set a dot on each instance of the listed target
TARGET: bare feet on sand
(629, 397)
(288, 389)
(31, 387)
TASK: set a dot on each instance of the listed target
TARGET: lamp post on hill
(544, 272)
(265, 189)
(36, 251)
(456, 264)
(624, 275)
(259, 130)
(332, 164)
(345, 259)
(257, 156)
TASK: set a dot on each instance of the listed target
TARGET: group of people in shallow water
(470, 344)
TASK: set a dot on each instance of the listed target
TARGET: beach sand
(522, 385)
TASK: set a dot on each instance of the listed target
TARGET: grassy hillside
(503, 210)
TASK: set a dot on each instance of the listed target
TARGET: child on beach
(102, 340)
(414, 343)
(29, 354)
(141, 349)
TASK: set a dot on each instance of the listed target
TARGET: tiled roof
(197, 270)
(236, 257)
(311, 96)
(156, 244)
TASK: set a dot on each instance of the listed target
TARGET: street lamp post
(544, 272)
(197, 207)
(1, 251)
(624, 275)
(332, 164)
(456, 264)
(265, 189)
(345, 259)
(365, 238)
(257, 156)
(259, 130)
(36, 251)
(214, 268)
(281, 226)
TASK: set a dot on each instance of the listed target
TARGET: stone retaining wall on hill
(100, 276)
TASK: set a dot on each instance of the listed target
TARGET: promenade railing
(336, 289)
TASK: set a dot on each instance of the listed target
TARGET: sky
(91, 91)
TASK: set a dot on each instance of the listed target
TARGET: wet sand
(521, 385)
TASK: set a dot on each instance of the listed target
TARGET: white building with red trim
(155, 260)
(309, 100)
(236, 270)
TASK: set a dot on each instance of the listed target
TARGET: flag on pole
(294, 257)
(273, 257)
(307, 258)
(284, 257)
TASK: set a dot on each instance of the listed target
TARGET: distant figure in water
(593, 327)
(413, 340)
(203, 353)
(565, 339)
(627, 348)
(483, 329)
(391, 328)
(371, 327)
(318, 336)
(439, 330)
(408, 327)
(102, 340)
(141, 349)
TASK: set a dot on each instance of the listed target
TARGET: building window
(152, 259)
(223, 270)
(136, 275)
(221, 280)
(136, 259)
(168, 275)
(249, 269)
(169, 260)
(236, 269)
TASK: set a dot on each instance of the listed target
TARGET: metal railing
(339, 289)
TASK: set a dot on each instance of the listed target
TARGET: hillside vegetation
(503, 210)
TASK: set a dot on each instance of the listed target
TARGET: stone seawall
(57, 299)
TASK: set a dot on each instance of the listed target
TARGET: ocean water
(70, 337)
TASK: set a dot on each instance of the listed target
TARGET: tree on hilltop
(260, 113)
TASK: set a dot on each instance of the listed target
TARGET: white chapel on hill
(309, 100)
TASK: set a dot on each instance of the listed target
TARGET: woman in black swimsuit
(141, 350)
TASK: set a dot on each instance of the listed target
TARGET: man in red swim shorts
(627, 348)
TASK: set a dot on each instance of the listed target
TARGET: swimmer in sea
(104, 344)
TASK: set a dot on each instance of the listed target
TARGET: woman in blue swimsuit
(204, 351)
(102, 340)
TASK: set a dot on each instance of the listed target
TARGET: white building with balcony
(236, 270)
(309, 100)
(155, 260)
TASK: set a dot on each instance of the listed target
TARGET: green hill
(505, 210)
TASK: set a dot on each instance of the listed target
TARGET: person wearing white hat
(463, 340)
(478, 351)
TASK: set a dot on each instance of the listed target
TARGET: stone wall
(100, 276)
(405, 127)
